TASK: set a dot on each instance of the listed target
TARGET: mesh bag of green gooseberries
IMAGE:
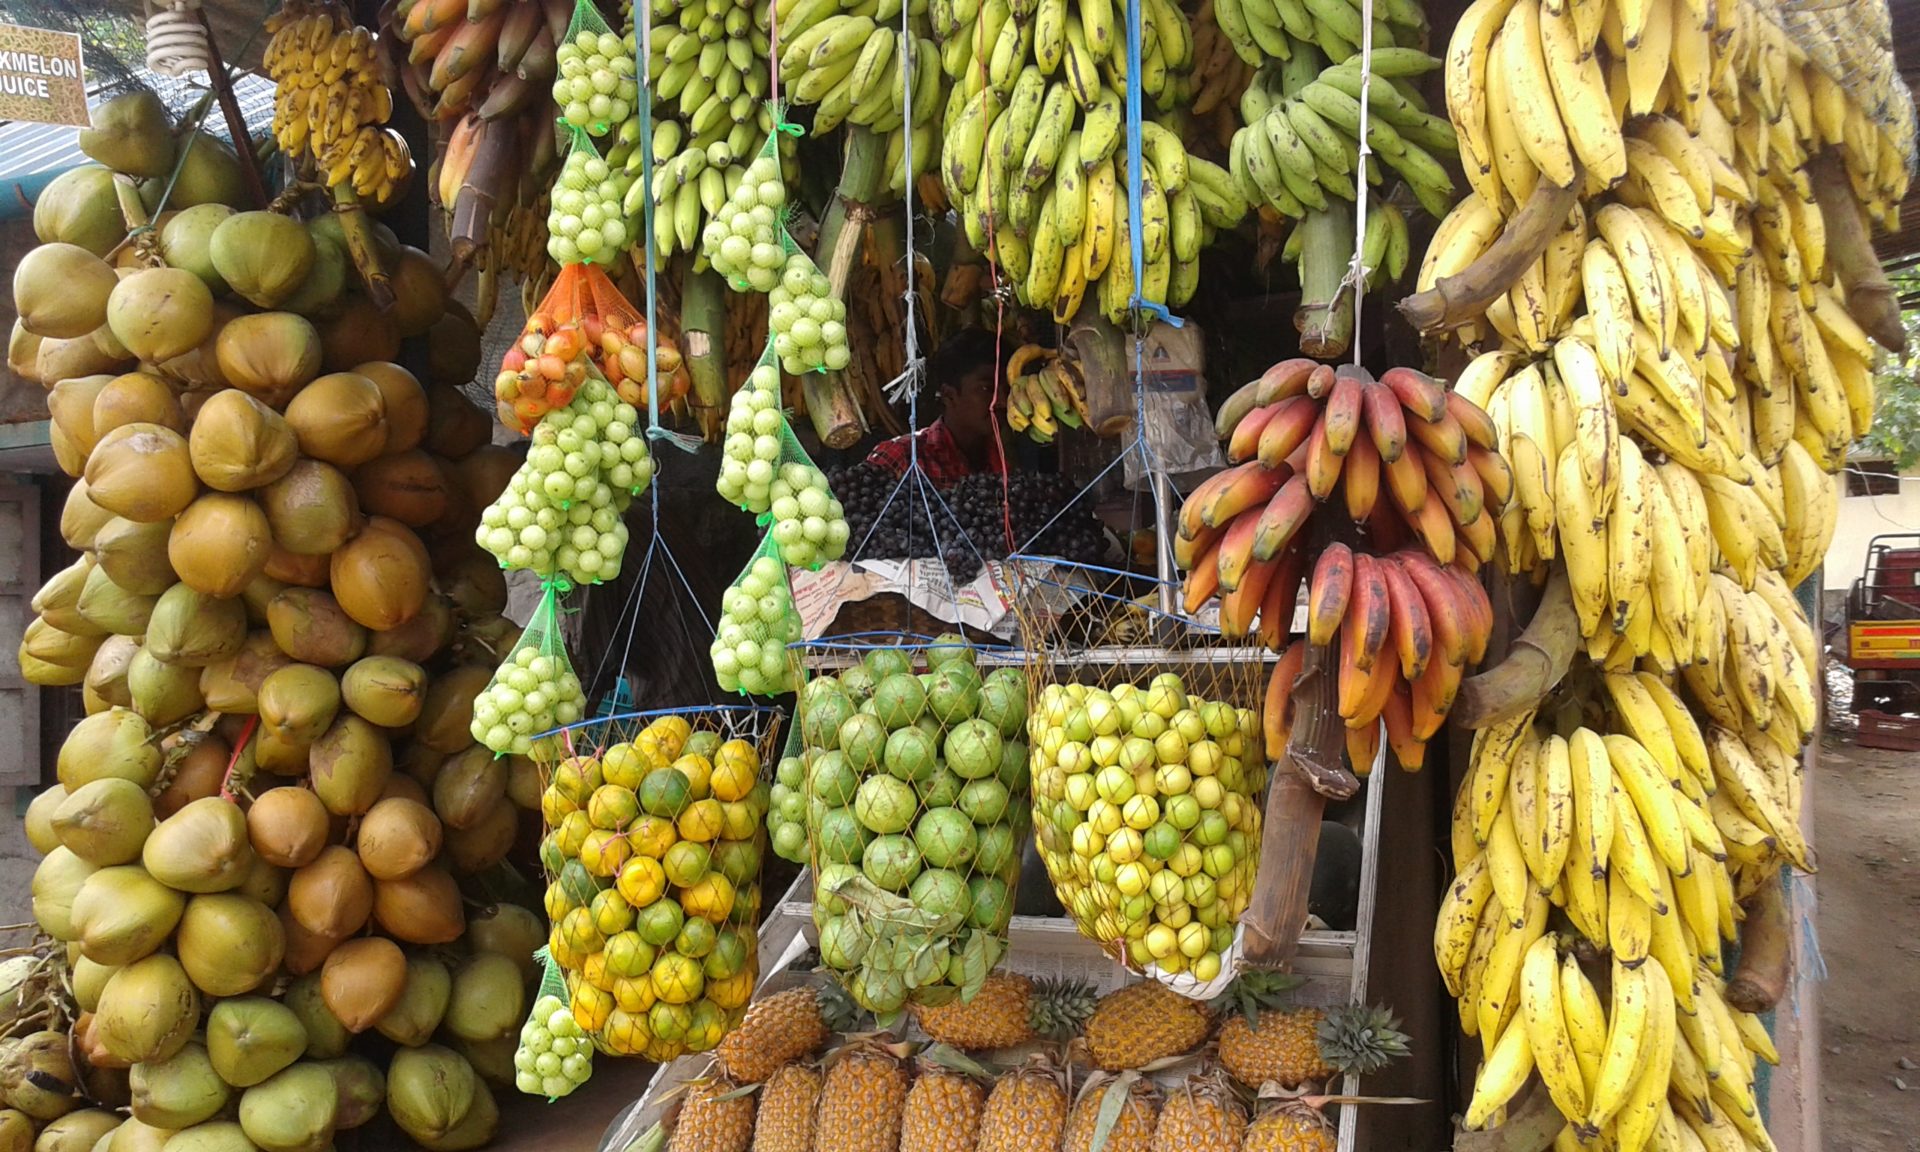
(1149, 770)
(765, 470)
(535, 689)
(595, 83)
(913, 773)
(554, 1055)
(745, 239)
(757, 622)
(588, 220)
(655, 837)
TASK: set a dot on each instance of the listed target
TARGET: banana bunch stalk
(1045, 392)
(711, 76)
(856, 65)
(1033, 154)
(1406, 610)
(1388, 246)
(491, 57)
(1644, 830)
(330, 105)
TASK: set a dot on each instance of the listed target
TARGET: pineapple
(861, 1100)
(1143, 1022)
(1290, 1126)
(1009, 1010)
(708, 1123)
(1306, 1045)
(785, 1122)
(1199, 1116)
(943, 1112)
(1132, 1130)
(1026, 1111)
(782, 1028)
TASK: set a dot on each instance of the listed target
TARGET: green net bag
(755, 435)
(809, 321)
(594, 85)
(808, 523)
(917, 809)
(757, 622)
(787, 802)
(744, 240)
(555, 1055)
(534, 690)
(588, 220)
(653, 857)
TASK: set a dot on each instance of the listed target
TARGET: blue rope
(1135, 237)
(643, 53)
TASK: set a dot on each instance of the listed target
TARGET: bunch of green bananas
(1274, 29)
(1044, 394)
(1302, 139)
(1033, 151)
(852, 62)
(1388, 247)
(711, 76)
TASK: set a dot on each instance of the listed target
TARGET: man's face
(970, 405)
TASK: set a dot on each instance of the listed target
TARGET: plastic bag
(594, 84)
(917, 811)
(757, 622)
(654, 894)
(743, 241)
(534, 691)
(555, 1055)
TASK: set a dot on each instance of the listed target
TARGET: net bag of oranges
(583, 320)
(1149, 775)
(656, 830)
(915, 772)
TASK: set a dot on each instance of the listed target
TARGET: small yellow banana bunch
(1044, 392)
(329, 102)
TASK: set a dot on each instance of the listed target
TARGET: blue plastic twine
(1135, 236)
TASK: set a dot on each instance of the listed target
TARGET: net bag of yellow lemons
(656, 831)
(1149, 772)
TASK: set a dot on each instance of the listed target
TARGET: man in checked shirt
(961, 442)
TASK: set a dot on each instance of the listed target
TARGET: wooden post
(230, 108)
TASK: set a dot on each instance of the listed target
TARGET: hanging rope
(913, 369)
(643, 52)
(1356, 277)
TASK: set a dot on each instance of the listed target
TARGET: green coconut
(362, 1087)
(209, 173)
(397, 837)
(148, 1011)
(327, 1038)
(446, 719)
(117, 742)
(349, 764)
(419, 639)
(131, 133)
(56, 882)
(200, 849)
(219, 543)
(269, 355)
(333, 896)
(251, 1038)
(63, 291)
(191, 628)
(263, 256)
(109, 607)
(489, 999)
(309, 625)
(80, 517)
(432, 1092)
(414, 1019)
(80, 207)
(37, 1076)
(229, 944)
(288, 826)
(326, 278)
(160, 313)
(77, 1131)
(81, 356)
(122, 914)
(291, 1111)
(232, 686)
(142, 472)
(239, 443)
(298, 703)
(385, 690)
(134, 1136)
(105, 822)
(137, 398)
(70, 403)
(187, 240)
(511, 931)
(163, 693)
(468, 786)
(58, 600)
(16, 1131)
(134, 555)
(265, 883)
(89, 979)
(212, 1136)
(38, 821)
(180, 1091)
(51, 658)
(313, 508)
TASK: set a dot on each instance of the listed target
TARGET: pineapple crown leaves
(1258, 988)
(1361, 1038)
(1117, 1091)
(1060, 1008)
(947, 1057)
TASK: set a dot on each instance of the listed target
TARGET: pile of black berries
(969, 522)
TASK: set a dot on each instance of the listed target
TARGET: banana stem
(362, 248)
(831, 405)
(703, 338)
(1765, 949)
(1325, 316)
(1454, 300)
(1871, 300)
(1532, 1123)
(1539, 658)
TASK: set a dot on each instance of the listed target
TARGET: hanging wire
(643, 51)
(914, 368)
(1356, 278)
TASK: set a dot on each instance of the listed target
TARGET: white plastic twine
(176, 40)
(914, 369)
(1356, 267)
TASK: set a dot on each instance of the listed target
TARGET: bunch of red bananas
(1407, 610)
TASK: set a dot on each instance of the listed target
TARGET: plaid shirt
(940, 457)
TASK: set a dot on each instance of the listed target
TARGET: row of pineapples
(869, 1095)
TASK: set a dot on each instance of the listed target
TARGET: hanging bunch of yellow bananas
(1647, 831)
(1219, 77)
(329, 103)
(1045, 392)
(711, 77)
(855, 65)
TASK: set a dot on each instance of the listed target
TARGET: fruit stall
(911, 575)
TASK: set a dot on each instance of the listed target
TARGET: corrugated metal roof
(28, 150)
